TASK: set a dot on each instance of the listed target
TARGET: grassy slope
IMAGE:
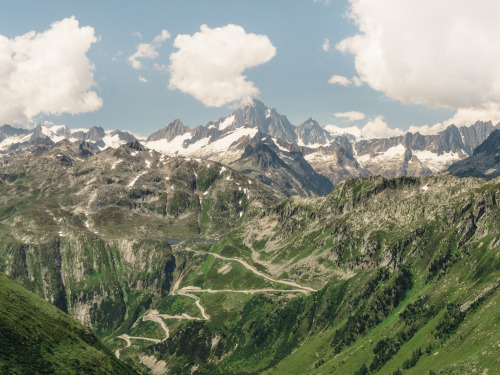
(451, 253)
(38, 338)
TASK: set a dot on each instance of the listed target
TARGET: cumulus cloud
(378, 128)
(147, 50)
(144, 51)
(209, 64)
(440, 54)
(468, 116)
(142, 79)
(350, 116)
(47, 73)
(326, 45)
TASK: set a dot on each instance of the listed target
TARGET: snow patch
(116, 163)
(132, 183)
(277, 145)
(436, 162)
(226, 123)
(425, 188)
(173, 147)
(112, 141)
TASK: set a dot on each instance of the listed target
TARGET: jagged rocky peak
(311, 133)
(266, 119)
(261, 155)
(38, 133)
(170, 131)
(476, 134)
(491, 145)
(95, 134)
(86, 149)
(484, 162)
(10, 131)
(135, 145)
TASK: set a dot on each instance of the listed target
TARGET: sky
(383, 65)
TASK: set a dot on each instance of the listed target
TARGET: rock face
(170, 131)
(484, 162)
(310, 133)
(91, 228)
(287, 172)
(386, 255)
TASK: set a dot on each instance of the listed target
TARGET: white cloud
(468, 116)
(209, 64)
(344, 81)
(47, 73)
(339, 80)
(378, 128)
(144, 51)
(142, 79)
(428, 130)
(437, 53)
(138, 35)
(326, 45)
(160, 38)
(350, 116)
(147, 50)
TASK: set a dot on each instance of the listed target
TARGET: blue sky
(294, 80)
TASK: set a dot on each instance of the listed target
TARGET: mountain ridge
(329, 152)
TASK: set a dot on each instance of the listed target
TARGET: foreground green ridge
(38, 338)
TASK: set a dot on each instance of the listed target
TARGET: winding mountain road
(254, 270)
(187, 291)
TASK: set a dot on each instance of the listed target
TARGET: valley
(182, 264)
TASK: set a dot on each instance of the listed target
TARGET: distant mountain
(334, 152)
(285, 171)
(310, 133)
(484, 162)
(14, 140)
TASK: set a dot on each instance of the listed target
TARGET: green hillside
(38, 338)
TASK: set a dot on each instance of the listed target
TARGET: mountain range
(255, 263)
(308, 149)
